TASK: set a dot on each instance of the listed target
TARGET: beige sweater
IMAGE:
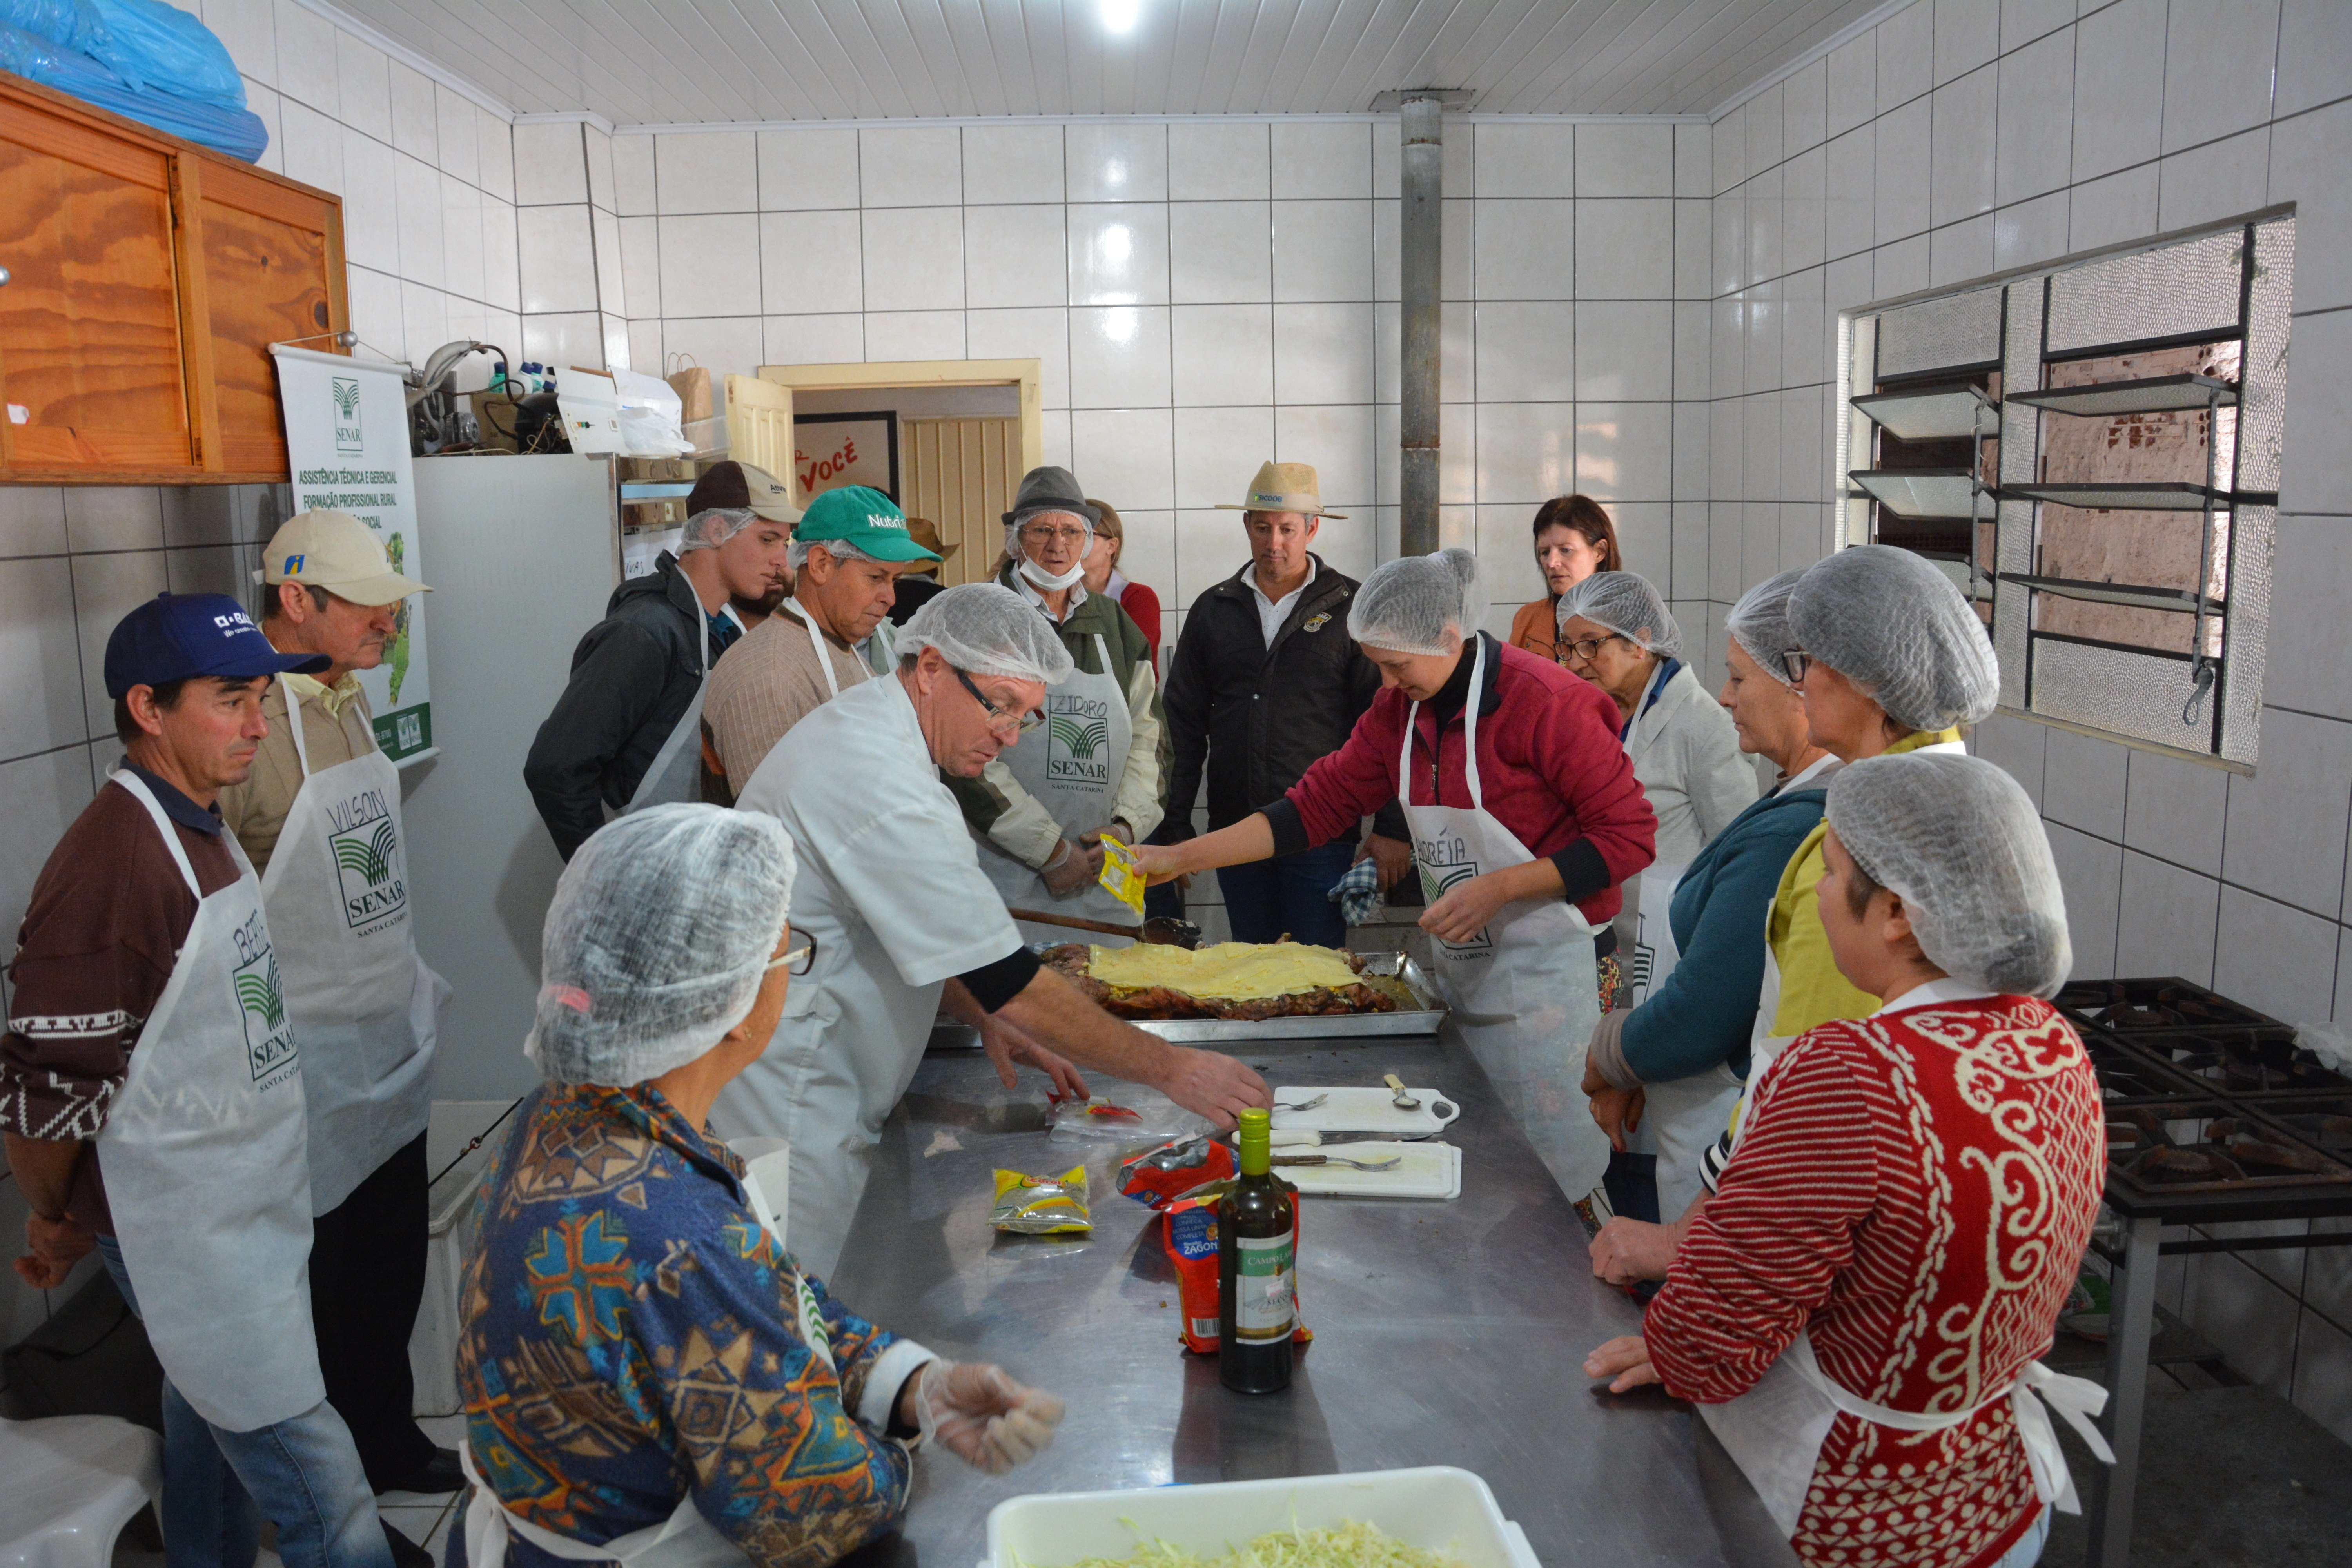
(256, 810)
(769, 681)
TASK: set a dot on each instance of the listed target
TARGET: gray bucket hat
(1050, 489)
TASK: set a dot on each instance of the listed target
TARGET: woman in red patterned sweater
(1858, 1311)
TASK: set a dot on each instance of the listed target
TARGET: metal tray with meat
(1386, 993)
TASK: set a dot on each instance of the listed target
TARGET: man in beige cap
(1263, 684)
(319, 815)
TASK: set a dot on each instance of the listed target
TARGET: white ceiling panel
(691, 61)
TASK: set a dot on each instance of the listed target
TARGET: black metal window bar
(1945, 413)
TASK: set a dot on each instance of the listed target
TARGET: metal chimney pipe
(1421, 244)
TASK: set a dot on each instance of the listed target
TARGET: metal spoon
(1391, 1163)
(1400, 1099)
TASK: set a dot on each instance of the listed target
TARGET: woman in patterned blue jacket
(646, 1371)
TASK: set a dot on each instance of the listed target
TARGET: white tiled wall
(1959, 137)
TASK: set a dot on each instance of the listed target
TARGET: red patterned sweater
(1916, 1188)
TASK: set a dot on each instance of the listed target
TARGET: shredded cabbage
(1349, 1545)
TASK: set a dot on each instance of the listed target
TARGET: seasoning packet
(1190, 1238)
(1153, 1118)
(1118, 877)
(1042, 1206)
(1157, 1177)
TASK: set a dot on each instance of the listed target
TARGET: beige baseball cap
(336, 552)
(771, 497)
(1284, 486)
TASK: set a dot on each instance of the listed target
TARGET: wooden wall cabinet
(147, 278)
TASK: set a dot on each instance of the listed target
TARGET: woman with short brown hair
(1574, 538)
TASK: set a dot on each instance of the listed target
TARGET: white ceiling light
(1120, 16)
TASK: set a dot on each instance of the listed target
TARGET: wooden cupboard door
(271, 264)
(90, 364)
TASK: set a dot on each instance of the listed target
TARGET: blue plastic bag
(238, 132)
(73, 23)
(154, 46)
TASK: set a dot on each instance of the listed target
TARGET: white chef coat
(891, 891)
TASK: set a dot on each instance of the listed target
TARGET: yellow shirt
(1811, 990)
(336, 727)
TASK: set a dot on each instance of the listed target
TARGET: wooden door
(268, 268)
(90, 332)
(961, 473)
(760, 428)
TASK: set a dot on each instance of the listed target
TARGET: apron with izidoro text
(1072, 765)
(1523, 990)
(365, 1006)
(204, 1160)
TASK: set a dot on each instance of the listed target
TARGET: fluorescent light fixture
(1120, 16)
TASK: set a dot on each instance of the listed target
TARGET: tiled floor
(423, 1519)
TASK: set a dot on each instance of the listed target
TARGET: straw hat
(1284, 486)
(926, 532)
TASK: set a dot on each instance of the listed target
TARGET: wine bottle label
(1265, 1304)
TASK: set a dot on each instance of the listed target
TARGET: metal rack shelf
(1954, 413)
(2183, 600)
(1928, 493)
(2168, 496)
(2155, 395)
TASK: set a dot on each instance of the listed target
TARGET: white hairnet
(1408, 604)
(661, 931)
(1891, 623)
(1960, 844)
(796, 553)
(709, 530)
(1759, 622)
(1629, 605)
(985, 628)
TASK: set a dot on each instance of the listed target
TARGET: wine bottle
(1258, 1242)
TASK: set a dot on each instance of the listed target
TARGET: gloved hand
(984, 1418)
(1072, 869)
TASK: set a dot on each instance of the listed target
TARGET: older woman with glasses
(646, 1369)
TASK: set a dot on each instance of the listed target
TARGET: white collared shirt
(1272, 613)
(1934, 992)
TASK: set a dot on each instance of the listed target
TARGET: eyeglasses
(1586, 649)
(1794, 661)
(997, 717)
(798, 962)
(1043, 533)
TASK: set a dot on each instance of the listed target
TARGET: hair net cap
(985, 629)
(709, 530)
(1892, 624)
(1759, 622)
(1409, 605)
(660, 933)
(1629, 605)
(1959, 841)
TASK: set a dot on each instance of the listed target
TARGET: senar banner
(347, 445)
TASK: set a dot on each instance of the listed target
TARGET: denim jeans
(1288, 893)
(2028, 1549)
(304, 1473)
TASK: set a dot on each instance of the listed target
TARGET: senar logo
(365, 843)
(346, 399)
(261, 999)
(1078, 742)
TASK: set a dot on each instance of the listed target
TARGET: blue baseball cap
(174, 636)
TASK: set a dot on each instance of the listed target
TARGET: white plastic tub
(1439, 1509)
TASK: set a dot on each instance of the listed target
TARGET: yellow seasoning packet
(1042, 1206)
(1119, 876)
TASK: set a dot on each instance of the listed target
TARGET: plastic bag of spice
(1042, 1206)
(1191, 1237)
(1157, 1177)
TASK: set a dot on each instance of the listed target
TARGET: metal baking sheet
(1344, 1025)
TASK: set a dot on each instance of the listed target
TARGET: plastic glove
(1071, 870)
(984, 1418)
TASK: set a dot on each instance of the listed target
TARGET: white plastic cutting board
(1426, 1171)
(1364, 1110)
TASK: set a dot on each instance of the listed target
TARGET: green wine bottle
(1257, 1256)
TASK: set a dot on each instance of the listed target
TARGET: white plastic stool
(68, 1486)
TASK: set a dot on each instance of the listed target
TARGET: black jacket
(632, 678)
(1261, 717)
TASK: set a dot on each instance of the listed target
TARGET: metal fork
(1301, 1105)
(1391, 1163)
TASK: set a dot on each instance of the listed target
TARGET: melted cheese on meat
(1233, 971)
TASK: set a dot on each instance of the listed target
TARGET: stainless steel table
(1446, 1333)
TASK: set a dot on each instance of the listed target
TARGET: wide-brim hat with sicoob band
(1284, 486)
(335, 551)
(862, 516)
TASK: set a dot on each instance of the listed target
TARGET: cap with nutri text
(863, 517)
(178, 636)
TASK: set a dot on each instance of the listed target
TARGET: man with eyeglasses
(1097, 770)
(904, 922)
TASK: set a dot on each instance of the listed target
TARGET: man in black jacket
(627, 731)
(1265, 683)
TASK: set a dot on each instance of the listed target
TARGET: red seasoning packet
(1157, 1177)
(1191, 1237)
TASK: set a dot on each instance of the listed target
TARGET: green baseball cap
(864, 518)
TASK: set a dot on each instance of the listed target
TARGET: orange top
(1537, 628)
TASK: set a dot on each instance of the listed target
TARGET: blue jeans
(1288, 893)
(304, 1473)
(2028, 1549)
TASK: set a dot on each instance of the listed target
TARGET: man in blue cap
(183, 1161)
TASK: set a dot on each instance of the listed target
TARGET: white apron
(1525, 992)
(674, 775)
(1682, 1117)
(1072, 765)
(366, 1007)
(202, 1157)
(1775, 1429)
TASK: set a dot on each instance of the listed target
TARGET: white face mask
(1046, 581)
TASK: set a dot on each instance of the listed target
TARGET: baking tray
(1425, 1020)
